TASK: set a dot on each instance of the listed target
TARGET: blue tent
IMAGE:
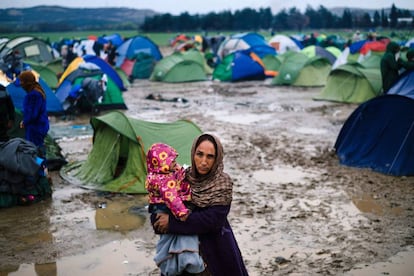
(240, 65)
(116, 39)
(379, 134)
(53, 104)
(130, 48)
(106, 68)
(356, 46)
(404, 86)
(243, 41)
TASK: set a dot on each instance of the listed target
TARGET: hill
(56, 18)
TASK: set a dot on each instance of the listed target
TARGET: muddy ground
(296, 210)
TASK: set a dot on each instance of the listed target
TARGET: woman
(212, 196)
(35, 120)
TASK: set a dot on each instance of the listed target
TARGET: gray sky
(203, 7)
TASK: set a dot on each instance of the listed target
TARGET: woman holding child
(212, 195)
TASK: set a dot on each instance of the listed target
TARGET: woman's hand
(10, 124)
(161, 223)
(21, 124)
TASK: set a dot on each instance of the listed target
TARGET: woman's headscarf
(214, 188)
(29, 83)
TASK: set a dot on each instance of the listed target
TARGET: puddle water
(115, 258)
(117, 216)
(244, 119)
(368, 204)
(281, 175)
(400, 264)
(61, 131)
(308, 130)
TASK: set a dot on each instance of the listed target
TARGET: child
(168, 192)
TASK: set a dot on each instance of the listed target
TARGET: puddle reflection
(115, 258)
(117, 216)
(281, 175)
(400, 264)
(120, 214)
(368, 204)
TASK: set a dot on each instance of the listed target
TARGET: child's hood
(160, 158)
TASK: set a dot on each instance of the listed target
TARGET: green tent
(271, 62)
(123, 77)
(185, 66)
(143, 66)
(47, 74)
(297, 69)
(354, 82)
(117, 161)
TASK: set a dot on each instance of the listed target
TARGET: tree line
(286, 19)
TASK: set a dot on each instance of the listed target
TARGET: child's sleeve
(171, 198)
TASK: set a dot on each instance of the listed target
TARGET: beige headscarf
(29, 83)
(214, 188)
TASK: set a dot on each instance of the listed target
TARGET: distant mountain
(57, 18)
(60, 18)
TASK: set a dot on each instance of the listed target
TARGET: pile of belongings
(23, 174)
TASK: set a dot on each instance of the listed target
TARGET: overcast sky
(202, 7)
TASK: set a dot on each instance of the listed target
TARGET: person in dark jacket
(212, 192)
(7, 114)
(390, 66)
(409, 63)
(35, 119)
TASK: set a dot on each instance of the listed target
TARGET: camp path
(295, 209)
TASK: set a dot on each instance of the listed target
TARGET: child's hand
(177, 167)
(185, 217)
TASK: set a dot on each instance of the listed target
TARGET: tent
(91, 67)
(283, 43)
(244, 41)
(137, 57)
(360, 50)
(53, 105)
(29, 48)
(353, 82)
(313, 50)
(238, 66)
(117, 160)
(297, 69)
(410, 43)
(95, 62)
(47, 71)
(404, 86)
(378, 135)
(181, 67)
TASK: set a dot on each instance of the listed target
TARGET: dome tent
(117, 161)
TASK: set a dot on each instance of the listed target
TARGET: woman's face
(204, 157)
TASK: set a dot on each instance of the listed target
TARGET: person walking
(35, 118)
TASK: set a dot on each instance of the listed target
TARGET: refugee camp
(206, 138)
